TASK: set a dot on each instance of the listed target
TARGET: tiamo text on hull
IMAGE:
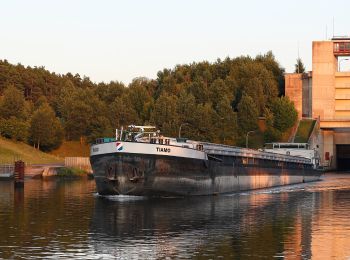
(139, 161)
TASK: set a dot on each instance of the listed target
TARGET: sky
(119, 40)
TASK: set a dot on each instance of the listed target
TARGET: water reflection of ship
(265, 225)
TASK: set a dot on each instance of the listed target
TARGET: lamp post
(340, 63)
(223, 126)
(181, 127)
(246, 137)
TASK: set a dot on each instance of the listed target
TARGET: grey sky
(120, 40)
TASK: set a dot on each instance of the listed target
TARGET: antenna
(298, 61)
(326, 32)
(333, 26)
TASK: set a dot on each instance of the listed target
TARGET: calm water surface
(61, 219)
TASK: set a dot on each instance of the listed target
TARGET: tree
(14, 129)
(185, 107)
(45, 130)
(79, 116)
(209, 97)
(227, 123)
(284, 113)
(299, 66)
(247, 115)
(218, 91)
(257, 82)
(121, 112)
(13, 113)
(272, 65)
(205, 123)
(199, 89)
(271, 134)
(99, 127)
(164, 114)
(109, 92)
(141, 100)
(12, 103)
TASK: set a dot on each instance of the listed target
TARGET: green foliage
(284, 113)
(304, 130)
(247, 115)
(258, 83)
(70, 172)
(185, 107)
(46, 132)
(78, 117)
(14, 129)
(121, 112)
(141, 100)
(269, 117)
(217, 102)
(99, 126)
(205, 123)
(164, 114)
(12, 103)
(299, 66)
(272, 65)
(227, 123)
(272, 135)
(109, 92)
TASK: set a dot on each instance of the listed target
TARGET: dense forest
(217, 102)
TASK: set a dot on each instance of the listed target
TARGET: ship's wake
(120, 198)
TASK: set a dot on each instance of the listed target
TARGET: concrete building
(324, 94)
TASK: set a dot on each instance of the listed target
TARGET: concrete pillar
(328, 155)
(294, 90)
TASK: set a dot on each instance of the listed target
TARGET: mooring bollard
(19, 174)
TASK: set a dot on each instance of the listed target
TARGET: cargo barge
(140, 161)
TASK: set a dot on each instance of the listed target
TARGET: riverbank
(11, 151)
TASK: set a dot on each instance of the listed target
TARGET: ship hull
(161, 175)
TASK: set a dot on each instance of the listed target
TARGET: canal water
(66, 219)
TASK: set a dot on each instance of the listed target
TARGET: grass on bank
(304, 130)
(70, 172)
(11, 151)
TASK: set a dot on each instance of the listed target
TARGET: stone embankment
(42, 170)
(47, 170)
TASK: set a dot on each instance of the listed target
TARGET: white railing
(7, 170)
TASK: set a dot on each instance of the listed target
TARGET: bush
(272, 135)
(284, 113)
(70, 172)
(14, 128)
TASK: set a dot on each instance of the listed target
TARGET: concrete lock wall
(294, 90)
(323, 70)
(82, 163)
(324, 94)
